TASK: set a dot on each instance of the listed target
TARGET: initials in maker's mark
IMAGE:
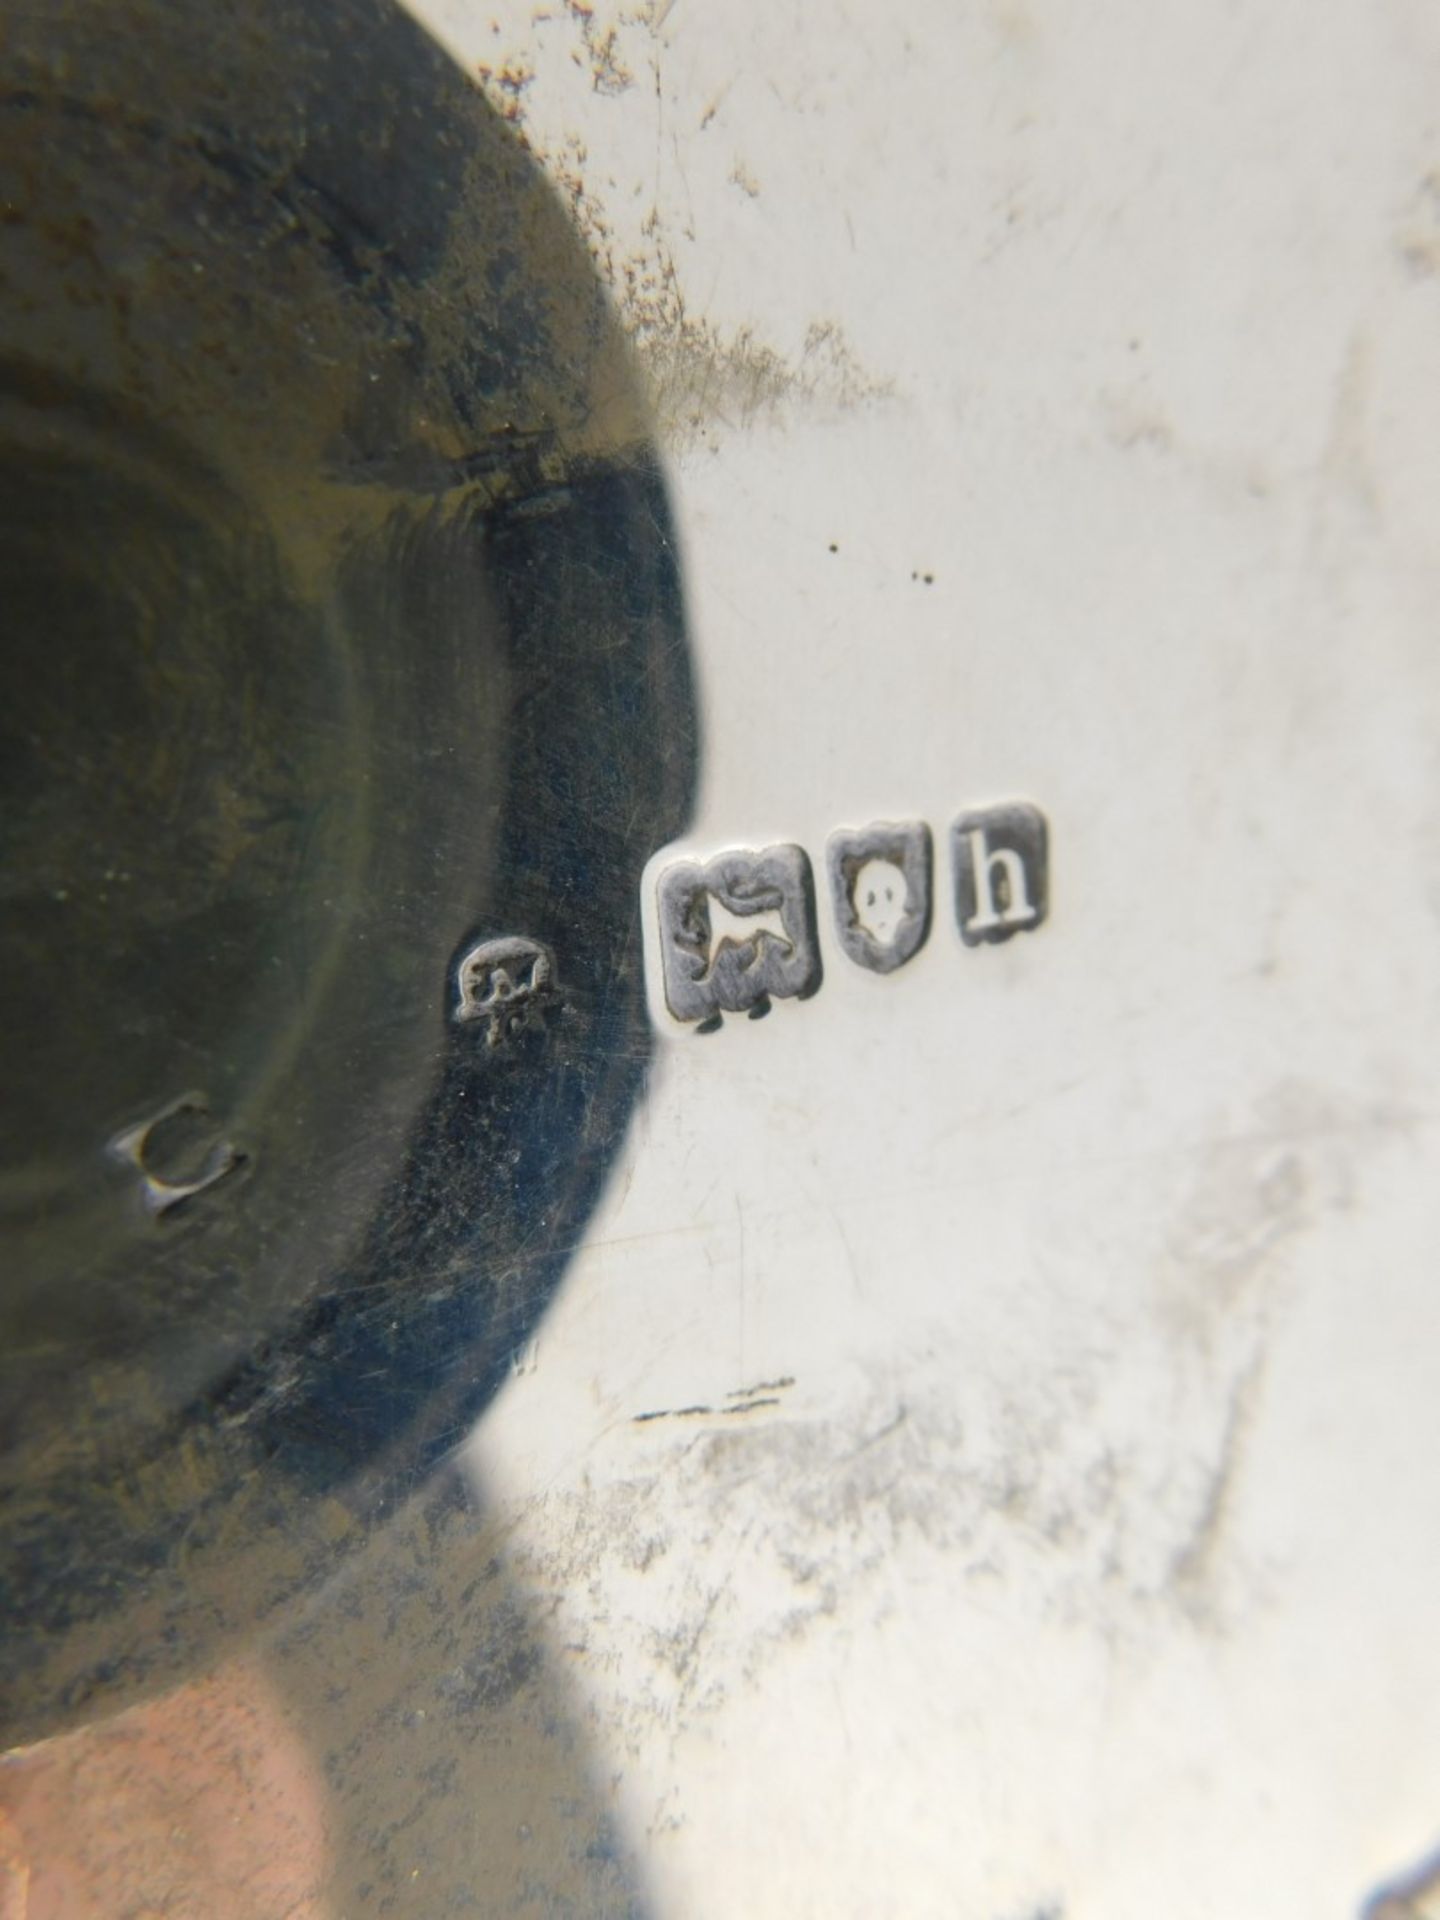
(738, 931)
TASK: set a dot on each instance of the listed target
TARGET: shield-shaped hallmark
(880, 892)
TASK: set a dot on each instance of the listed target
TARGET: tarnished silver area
(1002, 872)
(736, 931)
(313, 582)
(147, 1147)
(880, 892)
(504, 982)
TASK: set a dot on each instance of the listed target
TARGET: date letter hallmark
(736, 932)
(1002, 873)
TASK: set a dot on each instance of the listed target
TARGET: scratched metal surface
(344, 670)
(980, 1455)
(983, 1457)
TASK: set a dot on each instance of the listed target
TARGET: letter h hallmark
(1002, 872)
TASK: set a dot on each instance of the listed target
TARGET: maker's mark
(504, 983)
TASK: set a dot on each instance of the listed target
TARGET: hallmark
(505, 983)
(187, 1147)
(880, 892)
(1001, 859)
(737, 931)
